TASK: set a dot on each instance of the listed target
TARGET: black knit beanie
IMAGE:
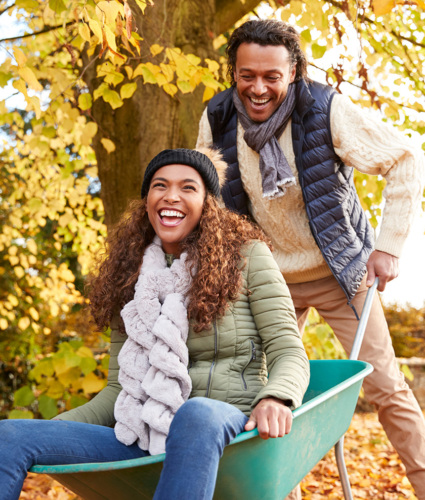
(201, 163)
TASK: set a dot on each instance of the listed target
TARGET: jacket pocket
(252, 357)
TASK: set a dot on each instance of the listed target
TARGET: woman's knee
(208, 416)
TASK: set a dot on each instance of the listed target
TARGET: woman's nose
(172, 195)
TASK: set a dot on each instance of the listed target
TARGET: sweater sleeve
(373, 147)
(275, 319)
(100, 410)
(205, 138)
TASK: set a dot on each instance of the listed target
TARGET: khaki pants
(398, 410)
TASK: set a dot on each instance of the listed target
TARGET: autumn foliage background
(103, 86)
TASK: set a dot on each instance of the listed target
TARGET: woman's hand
(271, 417)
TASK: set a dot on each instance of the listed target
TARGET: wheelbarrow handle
(364, 317)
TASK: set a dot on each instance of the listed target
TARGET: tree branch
(361, 88)
(44, 30)
(230, 11)
(6, 9)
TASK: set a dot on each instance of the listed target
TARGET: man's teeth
(259, 101)
(170, 213)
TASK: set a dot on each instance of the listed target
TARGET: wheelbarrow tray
(251, 468)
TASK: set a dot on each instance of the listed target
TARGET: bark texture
(152, 120)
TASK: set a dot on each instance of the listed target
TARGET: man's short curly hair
(267, 32)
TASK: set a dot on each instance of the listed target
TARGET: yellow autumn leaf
(208, 94)
(108, 145)
(156, 49)
(3, 323)
(24, 323)
(127, 90)
(20, 57)
(13, 260)
(91, 383)
(110, 38)
(108, 11)
(84, 32)
(13, 300)
(32, 246)
(34, 313)
(96, 28)
(65, 219)
(20, 273)
(170, 89)
(28, 75)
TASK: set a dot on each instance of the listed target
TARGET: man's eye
(246, 77)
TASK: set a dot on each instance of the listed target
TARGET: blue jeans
(199, 432)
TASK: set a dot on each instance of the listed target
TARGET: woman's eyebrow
(167, 180)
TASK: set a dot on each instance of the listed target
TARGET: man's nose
(259, 86)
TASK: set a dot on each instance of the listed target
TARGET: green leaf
(306, 35)
(76, 401)
(20, 414)
(34, 204)
(88, 365)
(57, 5)
(47, 407)
(23, 396)
(113, 98)
(43, 368)
(407, 372)
(85, 101)
(318, 50)
(185, 87)
(4, 78)
(28, 5)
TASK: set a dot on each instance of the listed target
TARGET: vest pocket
(252, 357)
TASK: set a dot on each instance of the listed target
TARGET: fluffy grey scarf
(153, 360)
(262, 137)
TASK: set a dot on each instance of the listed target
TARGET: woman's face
(174, 204)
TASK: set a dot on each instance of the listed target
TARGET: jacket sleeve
(100, 410)
(274, 315)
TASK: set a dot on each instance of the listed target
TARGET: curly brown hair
(214, 259)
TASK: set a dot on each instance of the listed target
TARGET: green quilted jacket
(254, 351)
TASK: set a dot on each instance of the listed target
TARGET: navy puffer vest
(337, 221)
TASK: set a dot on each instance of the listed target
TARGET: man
(291, 144)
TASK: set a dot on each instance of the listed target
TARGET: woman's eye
(158, 184)
(190, 188)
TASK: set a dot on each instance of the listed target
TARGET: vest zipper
(207, 392)
(252, 358)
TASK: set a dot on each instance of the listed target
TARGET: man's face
(262, 76)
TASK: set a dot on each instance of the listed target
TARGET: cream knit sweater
(362, 142)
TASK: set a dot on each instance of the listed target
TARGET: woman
(205, 316)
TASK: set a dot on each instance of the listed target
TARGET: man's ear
(293, 73)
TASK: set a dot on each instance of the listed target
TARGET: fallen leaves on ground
(375, 469)
(373, 466)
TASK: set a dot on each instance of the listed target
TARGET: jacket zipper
(252, 358)
(207, 392)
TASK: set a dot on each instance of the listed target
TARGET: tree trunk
(151, 120)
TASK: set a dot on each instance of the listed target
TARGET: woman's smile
(171, 217)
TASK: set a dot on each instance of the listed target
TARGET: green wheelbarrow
(251, 468)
